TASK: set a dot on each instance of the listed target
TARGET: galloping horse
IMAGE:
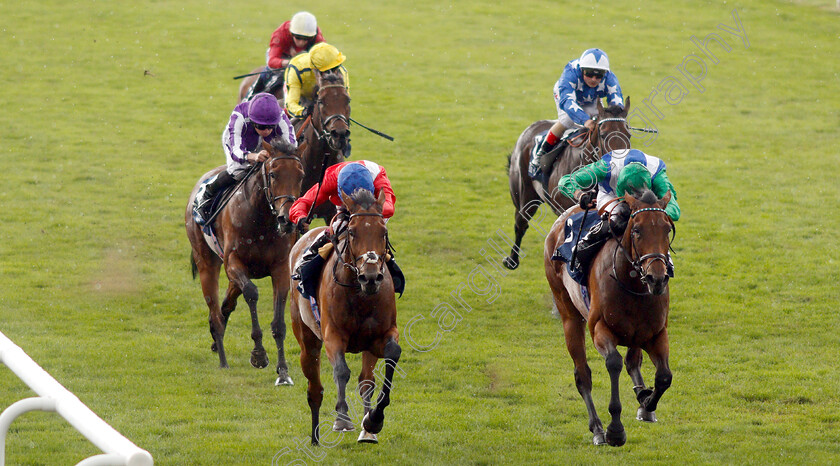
(357, 314)
(628, 288)
(323, 136)
(255, 235)
(611, 133)
(247, 81)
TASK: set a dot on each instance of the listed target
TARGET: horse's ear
(665, 200)
(349, 202)
(630, 200)
(380, 201)
(626, 107)
(266, 146)
(600, 108)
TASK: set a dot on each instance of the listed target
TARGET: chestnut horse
(323, 136)
(256, 236)
(247, 81)
(628, 288)
(611, 133)
(357, 314)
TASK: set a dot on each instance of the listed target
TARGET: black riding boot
(258, 85)
(591, 243)
(205, 200)
(274, 82)
(309, 266)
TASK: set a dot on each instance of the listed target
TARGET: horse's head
(648, 239)
(282, 176)
(611, 132)
(367, 239)
(331, 115)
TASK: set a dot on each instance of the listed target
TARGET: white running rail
(53, 397)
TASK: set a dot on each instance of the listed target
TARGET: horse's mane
(332, 78)
(645, 195)
(614, 111)
(281, 145)
(363, 197)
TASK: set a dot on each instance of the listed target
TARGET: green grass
(111, 110)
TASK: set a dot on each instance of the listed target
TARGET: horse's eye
(636, 231)
(352, 233)
(272, 175)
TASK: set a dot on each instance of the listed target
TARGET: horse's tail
(193, 266)
(508, 162)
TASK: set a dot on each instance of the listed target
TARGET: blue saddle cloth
(570, 231)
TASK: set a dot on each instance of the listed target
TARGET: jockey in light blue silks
(616, 173)
(583, 82)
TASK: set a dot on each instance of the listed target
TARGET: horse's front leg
(236, 273)
(633, 364)
(341, 375)
(605, 343)
(209, 275)
(374, 419)
(658, 350)
(280, 282)
(367, 385)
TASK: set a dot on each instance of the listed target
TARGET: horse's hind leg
(521, 219)
(574, 329)
(237, 276)
(209, 276)
(341, 375)
(605, 343)
(658, 351)
(278, 324)
(367, 385)
(374, 420)
(633, 364)
(310, 364)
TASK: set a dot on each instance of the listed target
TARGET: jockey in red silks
(341, 180)
(293, 37)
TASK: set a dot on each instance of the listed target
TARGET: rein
(637, 264)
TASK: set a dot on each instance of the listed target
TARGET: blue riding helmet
(352, 177)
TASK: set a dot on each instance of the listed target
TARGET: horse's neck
(252, 190)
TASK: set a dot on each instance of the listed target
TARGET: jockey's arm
(660, 185)
(293, 85)
(584, 178)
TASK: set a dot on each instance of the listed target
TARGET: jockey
(583, 82)
(340, 180)
(301, 80)
(293, 37)
(616, 173)
(251, 122)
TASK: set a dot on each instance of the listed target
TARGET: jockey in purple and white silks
(251, 123)
(583, 82)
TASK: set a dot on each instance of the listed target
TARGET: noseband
(639, 264)
(287, 198)
(370, 257)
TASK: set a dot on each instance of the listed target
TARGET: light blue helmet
(354, 176)
(594, 59)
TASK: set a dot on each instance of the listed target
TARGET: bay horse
(247, 81)
(357, 314)
(255, 235)
(629, 301)
(323, 136)
(611, 133)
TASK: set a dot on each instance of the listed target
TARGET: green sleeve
(660, 186)
(584, 178)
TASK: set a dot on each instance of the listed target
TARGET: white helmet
(594, 59)
(304, 24)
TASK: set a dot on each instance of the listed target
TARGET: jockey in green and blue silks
(622, 171)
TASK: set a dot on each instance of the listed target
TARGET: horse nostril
(379, 278)
(363, 279)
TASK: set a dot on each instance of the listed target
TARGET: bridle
(266, 179)
(602, 140)
(638, 264)
(370, 257)
(323, 134)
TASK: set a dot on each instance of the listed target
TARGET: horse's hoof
(343, 425)
(510, 263)
(259, 359)
(367, 437)
(598, 439)
(616, 438)
(283, 379)
(372, 426)
(644, 415)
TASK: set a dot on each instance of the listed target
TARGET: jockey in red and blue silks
(341, 180)
(251, 123)
(583, 82)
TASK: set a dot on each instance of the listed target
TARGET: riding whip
(378, 133)
(254, 74)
